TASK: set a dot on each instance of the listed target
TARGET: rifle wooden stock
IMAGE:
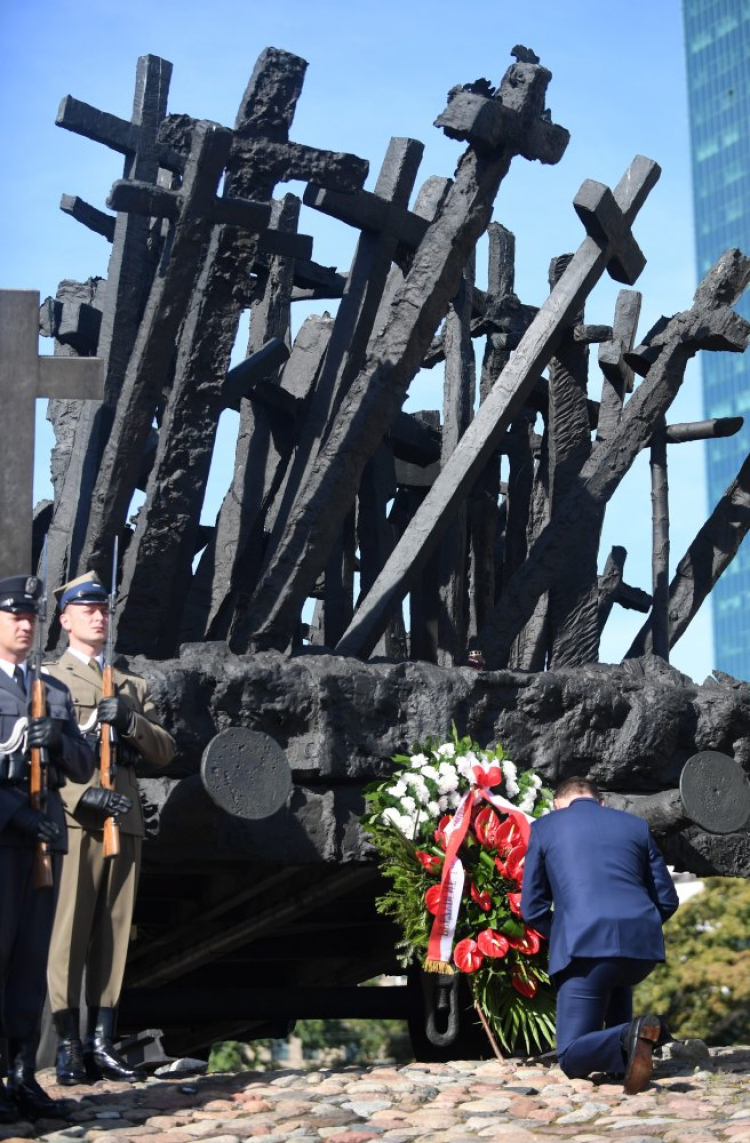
(106, 766)
(38, 789)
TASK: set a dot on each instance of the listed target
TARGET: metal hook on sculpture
(441, 1022)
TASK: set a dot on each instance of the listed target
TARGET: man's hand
(44, 732)
(36, 824)
(105, 803)
(117, 713)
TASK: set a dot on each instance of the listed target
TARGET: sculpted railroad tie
(394, 355)
(241, 270)
(24, 376)
(129, 276)
(511, 390)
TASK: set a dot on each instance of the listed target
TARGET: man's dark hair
(577, 785)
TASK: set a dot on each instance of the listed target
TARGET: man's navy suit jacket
(610, 886)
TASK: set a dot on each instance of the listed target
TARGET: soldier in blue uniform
(26, 912)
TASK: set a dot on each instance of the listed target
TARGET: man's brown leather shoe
(640, 1040)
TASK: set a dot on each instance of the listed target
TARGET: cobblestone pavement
(433, 1103)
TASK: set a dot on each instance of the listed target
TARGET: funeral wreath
(451, 827)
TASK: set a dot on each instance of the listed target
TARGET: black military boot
(31, 1100)
(69, 1060)
(8, 1109)
(100, 1057)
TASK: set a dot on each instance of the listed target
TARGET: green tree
(323, 1042)
(703, 990)
(234, 1056)
(356, 1041)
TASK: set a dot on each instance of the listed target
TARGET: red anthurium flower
(481, 825)
(528, 944)
(526, 986)
(445, 820)
(492, 776)
(432, 899)
(509, 836)
(431, 863)
(483, 900)
(491, 943)
(514, 863)
(514, 900)
(467, 956)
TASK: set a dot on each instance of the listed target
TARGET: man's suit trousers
(594, 1005)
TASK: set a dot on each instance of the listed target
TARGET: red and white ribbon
(440, 945)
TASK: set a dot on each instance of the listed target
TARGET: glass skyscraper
(717, 47)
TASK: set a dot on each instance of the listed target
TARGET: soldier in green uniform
(97, 894)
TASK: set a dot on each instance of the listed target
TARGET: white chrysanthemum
(443, 804)
(526, 805)
(398, 789)
(454, 800)
(446, 750)
(510, 774)
(447, 783)
(419, 759)
(418, 785)
(408, 804)
(433, 809)
(430, 772)
(464, 767)
(408, 825)
(393, 816)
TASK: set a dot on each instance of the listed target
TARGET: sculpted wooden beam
(496, 413)
(709, 555)
(394, 355)
(710, 324)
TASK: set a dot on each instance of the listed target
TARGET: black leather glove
(44, 732)
(36, 824)
(117, 713)
(105, 803)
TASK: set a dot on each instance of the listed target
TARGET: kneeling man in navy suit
(596, 885)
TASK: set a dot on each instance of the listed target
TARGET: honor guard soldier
(98, 890)
(33, 836)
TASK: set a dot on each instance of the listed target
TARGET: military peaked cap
(87, 588)
(19, 593)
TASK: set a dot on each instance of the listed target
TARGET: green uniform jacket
(152, 742)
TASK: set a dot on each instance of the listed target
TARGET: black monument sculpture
(485, 517)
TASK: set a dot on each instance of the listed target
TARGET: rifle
(108, 739)
(39, 757)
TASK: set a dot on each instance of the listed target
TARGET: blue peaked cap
(85, 589)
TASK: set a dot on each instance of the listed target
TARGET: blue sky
(376, 71)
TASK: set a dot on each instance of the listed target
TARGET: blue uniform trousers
(26, 916)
